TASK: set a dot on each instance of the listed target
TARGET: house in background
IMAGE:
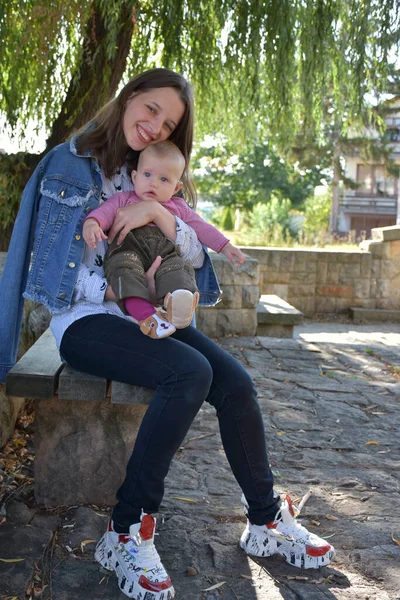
(376, 202)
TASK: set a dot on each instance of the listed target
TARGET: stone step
(276, 317)
(374, 314)
(386, 234)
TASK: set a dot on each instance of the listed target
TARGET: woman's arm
(89, 286)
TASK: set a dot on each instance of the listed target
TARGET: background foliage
(243, 176)
(281, 70)
(256, 64)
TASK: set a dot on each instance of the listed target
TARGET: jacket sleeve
(15, 274)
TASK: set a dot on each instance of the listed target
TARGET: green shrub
(265, 216)
(317, 209)
(227, 222)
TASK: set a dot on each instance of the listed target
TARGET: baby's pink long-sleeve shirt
(207, 234)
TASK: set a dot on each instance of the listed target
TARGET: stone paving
(330, 400)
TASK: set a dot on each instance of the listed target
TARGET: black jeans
(185, 369)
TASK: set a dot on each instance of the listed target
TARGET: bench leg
(81, 450)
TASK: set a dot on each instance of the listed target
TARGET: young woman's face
(152, 116)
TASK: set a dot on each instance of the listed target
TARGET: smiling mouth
(142, 134)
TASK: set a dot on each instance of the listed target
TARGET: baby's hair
(166, 149)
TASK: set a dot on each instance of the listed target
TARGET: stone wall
(236, 312)
(330, 281)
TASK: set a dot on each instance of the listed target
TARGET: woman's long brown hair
(103, 136)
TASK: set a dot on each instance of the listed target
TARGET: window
(374, 179)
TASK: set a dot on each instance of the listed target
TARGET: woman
(94, 336)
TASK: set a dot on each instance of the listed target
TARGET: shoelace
(146, 553)
(293, 528)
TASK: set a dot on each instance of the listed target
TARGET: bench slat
(123, 393)
(76, 385)
(36, 374)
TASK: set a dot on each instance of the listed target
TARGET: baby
(157, 177)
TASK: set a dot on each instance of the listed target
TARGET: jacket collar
(74, 149)
(85, 154)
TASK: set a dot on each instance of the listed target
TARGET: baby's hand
(92, 233)
(234, 254)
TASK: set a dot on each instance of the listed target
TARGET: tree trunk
(334, 216)
(90, 88)
(98, 77)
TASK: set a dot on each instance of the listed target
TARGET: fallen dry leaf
(331, 518)
(372, 443)
(247, 577)
(395, 541)
(297, 577)
(317, 523)
(12, 560)
(85, 542)
(280, 432)
(184, 499)
(214, 587)
(326, 537)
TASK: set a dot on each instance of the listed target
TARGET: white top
(90, 286)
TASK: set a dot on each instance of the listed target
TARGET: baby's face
(157, 178)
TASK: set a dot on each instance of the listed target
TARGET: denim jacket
(46, 246)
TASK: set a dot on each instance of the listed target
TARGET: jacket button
(78, 237)
(62, 296)
(72, 265)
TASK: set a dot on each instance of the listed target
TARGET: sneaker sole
(180, 306)
(296, 559)
(108, 560)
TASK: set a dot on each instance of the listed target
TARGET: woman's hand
(109, 296)
(132, 217)
(140, 214)
(150, 276)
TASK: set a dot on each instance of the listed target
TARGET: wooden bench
(276, 317)
(85, 426)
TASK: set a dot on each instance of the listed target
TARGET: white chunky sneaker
(135, 561)
(180, 306)
(287, 537)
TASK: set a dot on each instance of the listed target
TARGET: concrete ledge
(273, 310)
(374, 314)
(276, 317)
(276, 331)
(386, 234)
